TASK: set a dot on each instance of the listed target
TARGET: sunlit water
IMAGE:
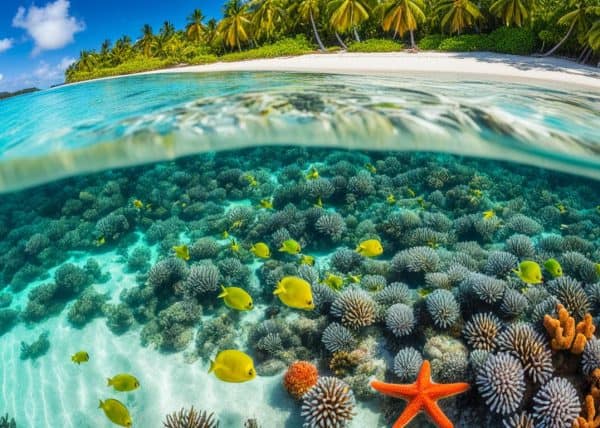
(256, 137)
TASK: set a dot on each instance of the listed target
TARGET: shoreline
(553, 72)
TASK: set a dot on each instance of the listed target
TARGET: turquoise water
(100, 181)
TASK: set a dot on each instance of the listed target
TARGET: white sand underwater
(52, 392)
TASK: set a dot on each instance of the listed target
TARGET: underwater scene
(260, 250)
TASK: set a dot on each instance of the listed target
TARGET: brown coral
(565, 334)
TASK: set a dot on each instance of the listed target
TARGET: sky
(39, 39)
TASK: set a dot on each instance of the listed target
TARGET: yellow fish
(182, 251)
(333, 281)
(225, 234)
(295, 293)
(80, 357)
(123, 382)
(235, 247)
(476, 192)
(233, 366)
(371, 168)
(432, 243)
(236, 298)
(561, 207)
(149, 207)
(313, 174)
(236, 224)
(251, 180)
(370, 248)
(554, 267)
(423, 292)
(116, 412)
(138, 204)
(421, 202)
(305, 259)
(410, 192)
(488, 214)
(100, 241)
(598, 268)
(290, 246)
(319, 203)
(266, 204)
(355, 279)
(391, 199)
(529, 272)
(260, 249)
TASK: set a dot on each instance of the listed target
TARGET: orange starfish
(421, 396)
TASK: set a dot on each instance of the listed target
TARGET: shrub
(466, 43)
(376, 45)
(511, 40)
(285, 47)
(431, 42)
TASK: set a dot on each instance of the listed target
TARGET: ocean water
(460, 183)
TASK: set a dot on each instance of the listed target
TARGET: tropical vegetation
(265, 28)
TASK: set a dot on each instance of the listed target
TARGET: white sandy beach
(460, 66)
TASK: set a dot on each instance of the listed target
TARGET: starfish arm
(436, 414)
(405, 392)
(412, 409)
(438, 391)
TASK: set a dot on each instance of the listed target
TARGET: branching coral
(556, 404)
(336, 337)
(331, 225)
(407, 363)
(354, 307)
(514, 304)
(5, 422)
(300, 377)
(443, 308)
(416, 259)
(480, 331)
(190, 418)
(202, 279)
(329, 404)
(501, 383)
(37, 348)
(399, 319)
(565, 334)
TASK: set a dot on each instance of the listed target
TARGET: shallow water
(87, 262)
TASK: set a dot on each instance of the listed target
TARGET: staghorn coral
(300, 377)
(190, 418)
(336, 338)
(329, 404)
(501, 383)
(442, 308)
(400, 320)
(407, 363)
(565, 334)
(354, 307)
(481, 331)
(556, 404)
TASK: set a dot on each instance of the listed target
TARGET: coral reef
(300, 377)
(37, 348)
(565, 334)
(330, 403)
(190, 418)
(501, 383)
(556, 404)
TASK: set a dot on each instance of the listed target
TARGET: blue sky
(38, 39)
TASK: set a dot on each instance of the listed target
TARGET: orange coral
(565, 334)
(299, 378)
(592, 420)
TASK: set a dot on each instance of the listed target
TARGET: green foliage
(518, 41)
(431, 42)
(286, 47)
(376, 45)
(466, 43)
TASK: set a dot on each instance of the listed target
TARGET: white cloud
(1, 76)
(65, 63)
(50, 26)
(5, 44)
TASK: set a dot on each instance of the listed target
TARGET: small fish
(233, 366)
(138, 204)
(236, 224)
(80, 357)
(370, 248)
(290, 246)
(335, 282)
(355, 279)
(391, 199)
(266, 204)
(410, 192)
(305, 259)
(421, 201)
(554, 267)
(432, 243)
(234, 246)
(123, 382)
(371, 168)
(476, 192)
(116, 412)
(564, 226)
(251, 180)
(182, 251)
(561, 207)
(529, 272)
(488, 214)
(100, 241)
(312, 174)
(319, 203)
(149, 207)
(260, 249)
(598, 208)
(423, 292)
(236, 298)
(295, 292)
(225, 234)
(598, 268)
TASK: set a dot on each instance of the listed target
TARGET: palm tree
(402, 16)
(211, 31)
(235, 25)
(267, 17)
(121, 51)
(593, 36)
(104, 54)
(147, 40)
(458, 14)
(88, 60)
(195, 28)
(347, 15)
(511, 11)
(576, 19)
(166, 31)
(308, 11)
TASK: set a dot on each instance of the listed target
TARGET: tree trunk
(340, 41)
(582, 54)
(314, 27)
(587, 57)
(564, 39)
(412, 39)
(356, 34)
